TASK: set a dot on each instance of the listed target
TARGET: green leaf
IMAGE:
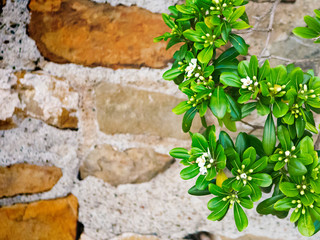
(188, 118)
(296, 168)
(240, 217)
(206, 54)
(315, 184)
(253, 66)
(216, 203)
(220, 157)
(250, 153)
(181, 108)
(189, 172)
(237, 14)
(239, 44)
(262, 109)
(307, 199)
(300, 126)
(201, 182)
(260, 164)
(216, 190)
(312, 23)
(305, 225)
(247, 109)
(241, 143)
(284, 137)
(284, 204)
(172, 74)
(219, 213)
(289, 189)
(243, 69)
(180, 153)
(199, 141)
(211, 174)
(246, 202)
(295, 216)
(267, 206)
(235, 109)
(208, 71)
(279, 165)
(227, 56)
(212, 139)
(244, 192)
(240, 25)
(304, 32)
(225, 140)
(212, 21)
(166, 18)
(225, 31)
(193, 35)
(244, 98)
(196, 192)
(255, 192)
(269, 136)
(219, 103)
(262, 179)
(306, 145)
(264, 71)
(280, 109)
(230, 79)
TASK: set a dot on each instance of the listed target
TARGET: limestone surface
(122, 109)
(134, 165)
(27, 178)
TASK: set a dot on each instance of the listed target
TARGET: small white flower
(197, 75)
(191, 67)
(201, 161)
(243, 176)
(246, 82)
(203, 170)
(287, 153)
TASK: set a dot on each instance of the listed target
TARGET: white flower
(203, 170)
(243, 176)
(246, 82)
(191, 67)
(201, 161)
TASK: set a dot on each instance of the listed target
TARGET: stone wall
(86, 122)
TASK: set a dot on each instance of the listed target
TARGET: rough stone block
(24, 178)
(123, 109)
(134, 165)
(51, 219)
(92, 34)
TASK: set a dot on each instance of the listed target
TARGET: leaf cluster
(208, 72)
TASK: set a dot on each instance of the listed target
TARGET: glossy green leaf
(280, 109)
(262, 179)
(212, 173)
(269, 136)
(304, 32)
(181, 108)
(296, 168)
(172, 74)
(312, 23)
(283, 204)
(219, 103)
(188, 118)
(247, 109)
(189, 172)
(180, 153)
(201, 182)
(216, 190)
(255, 192)
(200, 142)
(216, 203)
(196, 192)
(267, 206)
(289, 189)
(219, 213)
(206, 54)
(295, 215)
(240, 217)
(237, 14)
(305, 225)
(300, 126)
(260, 164)
(284, 137)
(307, 199)
(239, 44)
(230, 79)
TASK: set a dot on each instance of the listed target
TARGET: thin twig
(273, 11)
(251, 125)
